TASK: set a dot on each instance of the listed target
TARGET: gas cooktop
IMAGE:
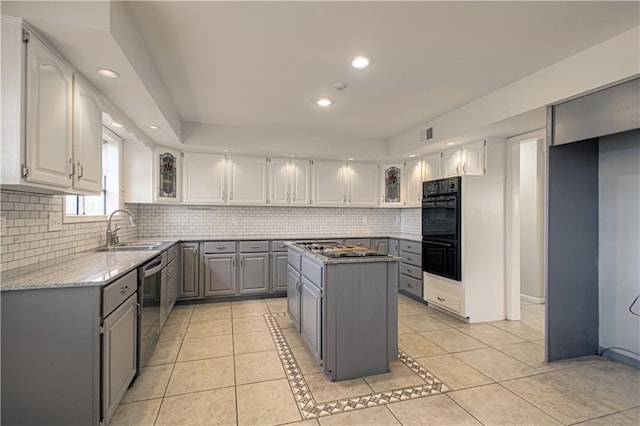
(336, 249)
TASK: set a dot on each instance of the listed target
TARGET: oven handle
(439, 244)
(151, 269)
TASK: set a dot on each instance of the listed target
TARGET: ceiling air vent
(426, 134)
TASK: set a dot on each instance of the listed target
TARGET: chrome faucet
(112, 235)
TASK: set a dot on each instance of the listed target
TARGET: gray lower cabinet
(410, 282)
(279, 262)
(394, 247)
(219, 274)
(293, 296)
(381, 245)
(189, 284)
(119, 344)
(311, 317)
(67, 355)
(254, 273)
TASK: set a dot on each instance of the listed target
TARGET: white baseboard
(532, 299)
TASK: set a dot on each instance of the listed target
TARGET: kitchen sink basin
(133, 246)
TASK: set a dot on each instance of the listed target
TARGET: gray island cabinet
(345, 310)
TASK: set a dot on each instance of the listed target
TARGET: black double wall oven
(441, 227)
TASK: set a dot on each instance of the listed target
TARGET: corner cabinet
(51, 119)
(167, 167)
(392, 178)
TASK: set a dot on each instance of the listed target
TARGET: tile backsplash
(169, 220)
(28, 240)
(411, 221)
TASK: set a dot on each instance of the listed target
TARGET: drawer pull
(410, 285)
(282, 246)
(255, 247)
(124, 289)
(221, 247)
(409, 270)
(440, 298)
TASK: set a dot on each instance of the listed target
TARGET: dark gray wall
(609, 111)
(572, 250)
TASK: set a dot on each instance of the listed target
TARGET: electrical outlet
(3, 226)
(55, 221)
(364, 219)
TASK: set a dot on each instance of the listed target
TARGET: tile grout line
(305, 398)
(464, 409)
(531, 403)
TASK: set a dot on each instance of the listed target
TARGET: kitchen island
(343, 302)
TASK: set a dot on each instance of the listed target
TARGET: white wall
(531, 219)
(610, 61)
(619, 240)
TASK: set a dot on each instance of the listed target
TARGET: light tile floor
(217, 364)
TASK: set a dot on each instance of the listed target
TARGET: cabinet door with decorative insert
(392, 177)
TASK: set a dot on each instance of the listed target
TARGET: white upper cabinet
(167, 175)
(87, 137)
(204, 178)
(51, 125)
(468, 159)
(362, 184)
(431, 167)
(247, 180)
(413, 171)
(392, 185)
(473, 158)
(49, 115)
(329, 183)
(300, 182)
(451, 160)
(289, 181)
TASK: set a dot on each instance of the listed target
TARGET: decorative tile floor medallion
(306, 402)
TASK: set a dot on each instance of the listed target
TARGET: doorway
(525, 228)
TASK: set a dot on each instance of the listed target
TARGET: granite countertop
(98, 268)
(334, 260)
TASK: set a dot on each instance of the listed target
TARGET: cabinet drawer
(312, 271)
(172, 253)
(445, 300)
(254, 246)
(278, 246)
(220, 247)
(295, 259)
(411, 246)
(411, 285)
(411, 270)
(411, 258)
(118, 291)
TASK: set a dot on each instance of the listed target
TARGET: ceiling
(261, 65)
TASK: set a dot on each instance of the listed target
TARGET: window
(86, 208)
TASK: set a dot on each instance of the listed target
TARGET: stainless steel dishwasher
(149, 290)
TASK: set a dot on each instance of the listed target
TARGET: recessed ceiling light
(338, 87)
(106, 72)
(292, 155)
(154, 127)
(350, 159)
(118, 125)
(225, 150)
(450, 143)
(411, 155)
(324, 102)
(360, 62)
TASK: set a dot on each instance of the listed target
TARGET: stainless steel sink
(133, 246)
